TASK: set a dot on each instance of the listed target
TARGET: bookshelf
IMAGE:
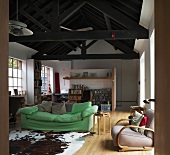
(75, 95)
(34, 81)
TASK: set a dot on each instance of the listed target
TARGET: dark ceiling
(115, 21)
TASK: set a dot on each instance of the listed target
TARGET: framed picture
(85, 74)
(16, 92)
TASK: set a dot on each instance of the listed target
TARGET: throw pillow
(45, 106)
(59, 109)
(143, 124)
(68, 107)
(136, 120)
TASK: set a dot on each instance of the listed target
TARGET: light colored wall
(126, 77)
(141, 46)
(22, 52)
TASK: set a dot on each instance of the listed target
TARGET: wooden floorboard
(100, 144)
(103, 144)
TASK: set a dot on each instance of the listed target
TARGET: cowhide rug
(45, 143)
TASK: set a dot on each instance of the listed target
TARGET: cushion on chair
(130, 138)
(150, 123)
(136, 120)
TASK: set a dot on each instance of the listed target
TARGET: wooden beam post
(162, 76)
(4, 104)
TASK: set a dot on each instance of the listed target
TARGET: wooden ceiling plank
(67, 14)
(116, 15)
(34, 20)
(55, 27)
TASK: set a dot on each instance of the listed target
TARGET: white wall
(63, 68)
(141, 46)
(22, 52)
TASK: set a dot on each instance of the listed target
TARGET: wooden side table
(99, 116)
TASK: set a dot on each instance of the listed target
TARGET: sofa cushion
(28, 110)
(45, 106)
(59, 109)
(42, 116)
(80, 107)
(68, 118)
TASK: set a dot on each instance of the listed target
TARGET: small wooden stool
(99, 116)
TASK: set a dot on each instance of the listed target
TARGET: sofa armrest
(28, 110)
(89, 111)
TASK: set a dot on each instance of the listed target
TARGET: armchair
(127, 139)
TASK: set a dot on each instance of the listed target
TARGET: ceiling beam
(89, 56)
(83, 50)
(69, 46)
(67, 14)
(107, 20)
(41, 12)
(55, 27)
(34, 20)
(122, 47)
(116, 15)
(91, 43)
(87, 35)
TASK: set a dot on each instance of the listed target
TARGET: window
(14, 75)
(45, 77)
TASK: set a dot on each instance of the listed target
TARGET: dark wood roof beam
(75, 43)
(34, 20)
(90, 56)
(131, 5)
(87, 35)
(91, 43)
(116, 15)
(55, 27)
(69, 46)
(83, 50)
(124, 48)
(107, 20)
(41, 12)
(64, 16)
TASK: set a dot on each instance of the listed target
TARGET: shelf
(88, 78)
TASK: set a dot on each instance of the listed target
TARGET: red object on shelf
(57, 83)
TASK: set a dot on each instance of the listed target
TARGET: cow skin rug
(45, 143)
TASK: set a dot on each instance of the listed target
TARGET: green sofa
(79, 118)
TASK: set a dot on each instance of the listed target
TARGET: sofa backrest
(150, 123)
(80, 107)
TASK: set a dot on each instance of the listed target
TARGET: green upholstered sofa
(79, 118)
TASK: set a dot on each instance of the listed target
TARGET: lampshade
(18, 28)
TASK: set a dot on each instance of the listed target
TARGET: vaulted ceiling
(115, 21)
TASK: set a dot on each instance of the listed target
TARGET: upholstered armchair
(128, 139)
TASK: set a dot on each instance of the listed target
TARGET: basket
(105, 107)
